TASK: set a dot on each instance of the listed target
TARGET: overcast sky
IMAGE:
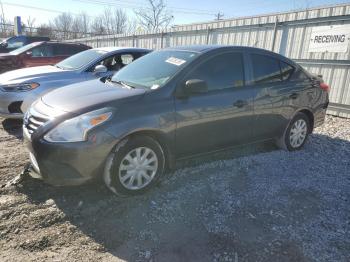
(184, 11)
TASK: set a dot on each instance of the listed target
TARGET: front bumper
(69, 164)
(8, 98)
(25, 99)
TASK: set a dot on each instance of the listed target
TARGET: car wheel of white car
(134, 166)
(296, 133)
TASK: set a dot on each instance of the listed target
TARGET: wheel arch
(310, 115)
(158, 136)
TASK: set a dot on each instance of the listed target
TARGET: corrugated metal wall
(284, 33)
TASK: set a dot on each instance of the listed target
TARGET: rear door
(220, 117)
(275, 102)
(62, 51)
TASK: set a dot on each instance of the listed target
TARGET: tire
(286, 142)
(134, 166)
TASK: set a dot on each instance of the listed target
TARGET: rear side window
(286, 70)
(67, 50)
(300, 75)
(265, 69)
(220, 72)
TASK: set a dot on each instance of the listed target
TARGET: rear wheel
(134, 166)
(296, 133)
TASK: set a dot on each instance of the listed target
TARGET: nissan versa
(168, 105)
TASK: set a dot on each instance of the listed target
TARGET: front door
(220, 117)
(40, 55)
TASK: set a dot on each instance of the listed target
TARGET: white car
(20, 88)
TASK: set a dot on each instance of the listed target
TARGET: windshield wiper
(123, 84)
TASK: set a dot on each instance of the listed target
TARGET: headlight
(76, 129)
(19, 87)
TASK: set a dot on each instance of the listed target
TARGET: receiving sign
(333, 39)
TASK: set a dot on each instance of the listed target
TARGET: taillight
(325, 87)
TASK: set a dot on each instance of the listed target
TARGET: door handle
(240, 103)
(294, 96)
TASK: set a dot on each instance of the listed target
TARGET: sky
(183, 11)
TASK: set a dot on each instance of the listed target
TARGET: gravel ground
(252, 203)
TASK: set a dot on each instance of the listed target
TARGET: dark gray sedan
(168, 105)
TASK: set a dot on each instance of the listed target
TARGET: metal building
(317, 38)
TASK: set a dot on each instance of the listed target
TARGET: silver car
(20, 88)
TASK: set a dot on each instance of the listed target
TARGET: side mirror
(29, 53)
(4, 44)
(99, 69)
(196, 86)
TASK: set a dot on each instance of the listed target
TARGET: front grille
(33, 120)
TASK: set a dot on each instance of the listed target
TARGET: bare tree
(155, 16)
(64, 24)
(85, 23)
(45, 30)
(120, 20)
(107, 18)
(114, 21)
(30, 25)
(97, 26)
(131, 26)
(3, 21)
(76, 28)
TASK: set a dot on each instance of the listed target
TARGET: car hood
(6, 55)
(34, 74)
(76, 97)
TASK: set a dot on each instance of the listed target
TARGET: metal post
(133, 40)
(274, 35)
(162, 39)
(208, 34)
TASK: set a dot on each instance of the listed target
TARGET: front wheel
(134, 166)
(296, 133)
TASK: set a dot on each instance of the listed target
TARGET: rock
(148, 254)
(50, 202)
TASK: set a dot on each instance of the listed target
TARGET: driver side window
(42, 51)
(117, 62)
(221, 71)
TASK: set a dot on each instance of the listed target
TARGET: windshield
(81, 59)
(155, 69)
(24, 48)
(4, 40)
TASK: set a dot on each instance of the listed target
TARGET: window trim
(181, 83)
(253, 82)
(290, 76)
(43, 45)
(92, 67)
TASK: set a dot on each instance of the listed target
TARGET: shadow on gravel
(13, 127)
(135, 227)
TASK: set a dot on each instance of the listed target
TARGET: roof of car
(57, 42)
(206, 48)
(116, 48)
